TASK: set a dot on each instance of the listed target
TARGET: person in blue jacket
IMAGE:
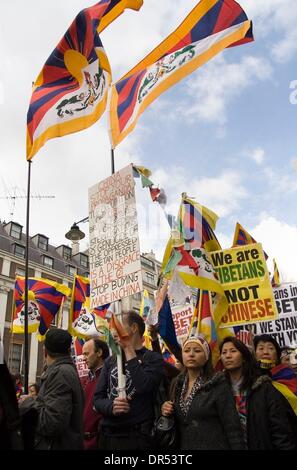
(127, 422)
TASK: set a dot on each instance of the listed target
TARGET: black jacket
(212, 422)
(10, 421)
(143, 375)
(60, 405)
(269, 418)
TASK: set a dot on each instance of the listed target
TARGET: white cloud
(281, 182)
(222, 193)
(258, 155)
(278, 17)
(217, 84)
(279, 240)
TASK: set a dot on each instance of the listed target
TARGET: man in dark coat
(60, 400)
(95, 352)
(10, 421)
(127, 422)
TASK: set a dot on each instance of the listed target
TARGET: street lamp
(75, 234)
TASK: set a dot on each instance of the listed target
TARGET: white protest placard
(284, 329)
(114, 254)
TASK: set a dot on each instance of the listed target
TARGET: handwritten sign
(114, 254)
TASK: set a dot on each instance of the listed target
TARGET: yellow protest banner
(243, 273)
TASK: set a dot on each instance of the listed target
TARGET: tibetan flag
(209, 28)
(197, 224)
(242, 237)
(284, 380)
(204, 322)
(45, 298)
(83, 321)
(116, 326)
(146, 305)
(70, 93)
(166, 325)
(275, 281)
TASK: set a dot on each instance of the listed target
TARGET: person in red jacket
(95, 352)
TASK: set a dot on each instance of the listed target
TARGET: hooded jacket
(212, 422)
(269, 418)
(60, 405)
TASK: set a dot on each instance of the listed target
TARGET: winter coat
(212, 422)
(143, 376)
(91, 417)
(269, 418)
(60, 406)
(10, 421)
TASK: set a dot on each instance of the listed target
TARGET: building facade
(58, 264)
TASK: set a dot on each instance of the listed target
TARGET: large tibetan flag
(45, 298)
(242, 237)
(84, 322)
(210, 27)
(70, 93)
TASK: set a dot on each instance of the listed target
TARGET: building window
(67, 252)
(72, 270)
(147, 262)
(19, 250)
(137, 296)
(42, 242)
(150, 278)
(20, 271)
(15, 359)
(16, 231)
(84, 261)
(47, 261)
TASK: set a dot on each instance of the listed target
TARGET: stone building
(58, 264)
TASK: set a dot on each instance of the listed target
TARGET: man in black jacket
(60, 401)
(127, 422)
(10, 421)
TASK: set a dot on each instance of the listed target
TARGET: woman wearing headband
(202, 403)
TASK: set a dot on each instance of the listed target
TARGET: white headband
(201, 341)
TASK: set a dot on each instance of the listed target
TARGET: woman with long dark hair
(262, 409)
(202, 403)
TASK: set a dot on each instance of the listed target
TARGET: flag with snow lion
(210, 27)
(45, 298)
(84, 321)
(70, 93)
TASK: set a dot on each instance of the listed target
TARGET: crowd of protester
(242, 406)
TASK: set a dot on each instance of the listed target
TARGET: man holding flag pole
(128, 420)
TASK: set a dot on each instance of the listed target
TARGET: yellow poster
(243, 273)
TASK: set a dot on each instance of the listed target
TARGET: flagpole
(26, 332)
(112, 161)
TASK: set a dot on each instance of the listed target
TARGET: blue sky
(226, 134)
